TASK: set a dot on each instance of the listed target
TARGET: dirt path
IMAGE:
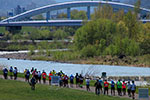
(92, 89)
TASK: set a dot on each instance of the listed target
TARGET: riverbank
(44, 91)
(107, 60)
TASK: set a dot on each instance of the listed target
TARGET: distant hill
(144, 3)
(8, 5)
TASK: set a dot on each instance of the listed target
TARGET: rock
(121, 56)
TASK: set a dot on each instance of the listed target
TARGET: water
(76, 68)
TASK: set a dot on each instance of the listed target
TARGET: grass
(92, 82)
(15, 90)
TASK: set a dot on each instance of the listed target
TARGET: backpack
(33, 81)
(99, 84)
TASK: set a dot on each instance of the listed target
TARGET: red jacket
(106, 84)
(44, 75)
(50, 76)
(123, 85)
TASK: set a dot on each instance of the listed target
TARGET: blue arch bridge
(19, 20)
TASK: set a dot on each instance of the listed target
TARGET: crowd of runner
(101, 86)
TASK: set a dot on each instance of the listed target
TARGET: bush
(31, 50)
(88, 51)
(125, 46)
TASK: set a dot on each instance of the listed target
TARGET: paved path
(92, 89)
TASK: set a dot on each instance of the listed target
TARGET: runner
(133, 89)
(44, 76)
(50, 77)
(66, 81)
(119, 87)
(106, 84)
(27, 75)
(32, 69)
(97, 87)
(112, 87)
(11, 72)
(39, 76)
(129, 88)
(32, 83)
(88, 84)
(101, 87)
(5, 73)
(77, 80)
(71, 80)
(124, 87)
(81, 81)
(15, 73)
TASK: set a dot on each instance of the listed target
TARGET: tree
(132, 24)
(94, 31)
(60, 34)
(105, 12)
(38, 17)
(75, 14)
(137, 8)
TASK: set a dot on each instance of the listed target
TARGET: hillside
(8, 5)
(144, 3)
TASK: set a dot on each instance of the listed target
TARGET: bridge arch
(68, 5)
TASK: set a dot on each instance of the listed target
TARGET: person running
(88, 84)
(77, 79)
(129, 88)
(81, 81)
(71, 80)
(11, 72)
(50, 77)
(66, 81)
(97, 87)
(44, 76)
(133, 89)
(32, 83)
(106, 84)
(119, 87)
(32, 69)
(124, 87)
(5, 73)
(101, 87)
(39, 76)
(27, 75)
(15, 73)
(54, 73)
(61, 79)
(112, 87)
(35, 74)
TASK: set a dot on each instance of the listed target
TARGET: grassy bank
(76, 57)
(14, 90)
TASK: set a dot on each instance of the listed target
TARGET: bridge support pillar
(88, 13)
(48, 15)
(68, 13)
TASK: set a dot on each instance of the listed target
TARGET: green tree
(60, 34)
(75, 14)
(93, 31)
(132, 24)
(88, 51)
(105, 12)
(38, 17)
(137, 7)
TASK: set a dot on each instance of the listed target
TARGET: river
(69, 69)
